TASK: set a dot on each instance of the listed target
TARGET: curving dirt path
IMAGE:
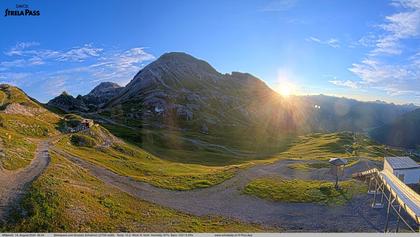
(13, 184)
(227, 200)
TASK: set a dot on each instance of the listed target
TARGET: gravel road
(13, 184)
(227, 200)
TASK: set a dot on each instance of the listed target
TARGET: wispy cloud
(79, 54)
(19, 47)
(400, 74)
(373, 71)
(89, 65)
(332, 42)
(120, 66)
(36, 56)
(345, 83)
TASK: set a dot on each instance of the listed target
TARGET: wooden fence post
(388, 212)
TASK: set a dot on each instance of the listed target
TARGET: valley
(184, 148)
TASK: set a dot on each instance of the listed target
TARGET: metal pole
(370, 181)
(398, 220)
(383, 194)
(388, 212)
(374, 195)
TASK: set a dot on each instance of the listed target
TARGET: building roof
(338, 161)
(402, 162)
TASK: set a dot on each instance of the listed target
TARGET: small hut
(405, 168)
(338, 164)
(87, 123)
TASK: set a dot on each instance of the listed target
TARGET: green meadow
(66, 198)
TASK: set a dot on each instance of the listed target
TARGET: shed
(403, 167)
(87, 123)
(338, 164)
(338, 161)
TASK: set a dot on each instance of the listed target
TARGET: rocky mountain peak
(184, 59)
(176, 66)
(67, 103)
(64, 93)
(104, 87)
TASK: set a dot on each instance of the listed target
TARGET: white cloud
(31, 56)
(397, 27)
(345, 83)
(19, 47)
(314, 39)
(103, 65)
(21, 63)
(403, 25)
(13, 63)
(372, 71)
(79, 54)
(120, 66)
(398, 75)
(368, 40)
(332, 42)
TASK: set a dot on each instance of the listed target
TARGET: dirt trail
(227, 200)
(13, 184)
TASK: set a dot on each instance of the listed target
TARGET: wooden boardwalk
(400, 198)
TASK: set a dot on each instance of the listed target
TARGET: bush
(82, 140)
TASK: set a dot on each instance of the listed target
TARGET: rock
(204, 129)
(16, 108)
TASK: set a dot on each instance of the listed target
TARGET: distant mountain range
(100, 95)
(403, 132)
(343, 114)
(182, 91)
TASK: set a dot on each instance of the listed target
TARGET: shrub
(82, 140)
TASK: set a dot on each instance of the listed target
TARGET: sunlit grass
(304, 191)
(66, 198)
(134, 162)
(16, 151)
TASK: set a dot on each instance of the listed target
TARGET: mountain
(190, 91)
(96, 98)
(68, 103)
(343, 114)
(101, 94)
(184, 88)
(14, 102)
(12, 97)
(23, 121)
(403, 132)
(185, 95)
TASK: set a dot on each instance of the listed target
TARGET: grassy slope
(310, 191)
(319, 147)
(15, 150)
(322, 147)
(66, 198)
(129, 160)
(11, 94)
(28, 126)
(17, 138)
(132, 161)
(18, 132)
(220, 148)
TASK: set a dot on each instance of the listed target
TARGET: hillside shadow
(190, 148)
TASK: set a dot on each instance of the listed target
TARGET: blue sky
(368, 50)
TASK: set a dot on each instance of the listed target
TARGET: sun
(286, 89)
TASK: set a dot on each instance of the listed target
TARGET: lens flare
(286, 89)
